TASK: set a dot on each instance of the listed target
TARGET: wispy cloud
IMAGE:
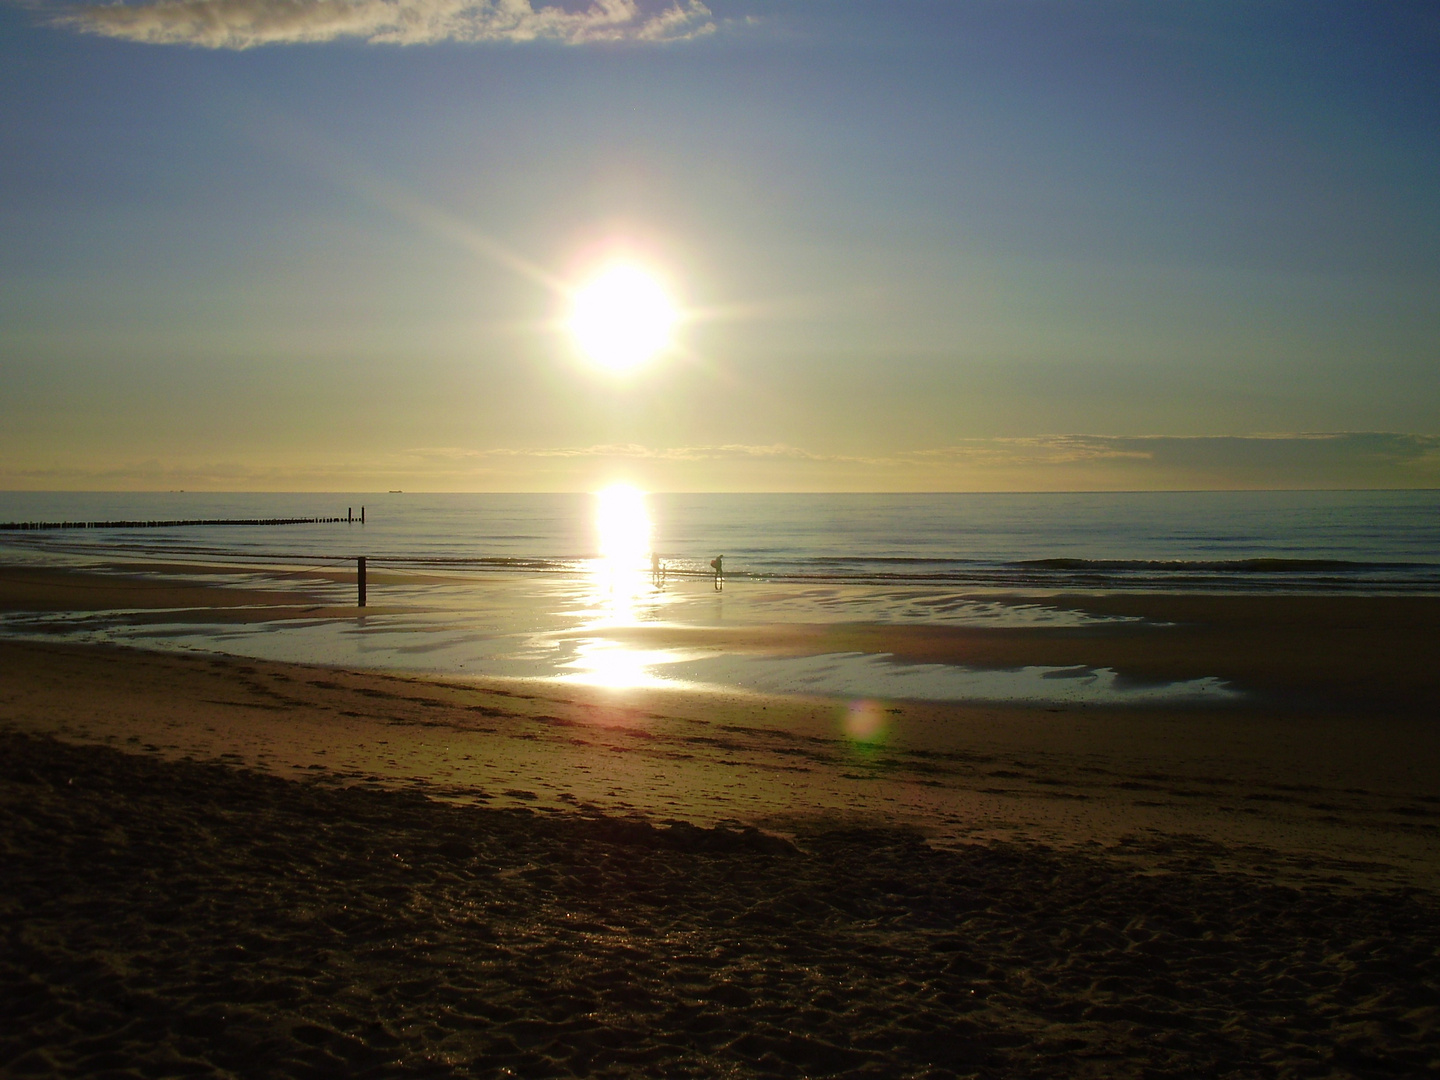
(1033, 462)
(244, 24)
(1030, 463)
(1315, 451)
(640, 452)
(1273, 460)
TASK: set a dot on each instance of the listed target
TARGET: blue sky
(953, 245)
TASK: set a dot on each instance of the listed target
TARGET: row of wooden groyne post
(28, 526)
(24, 526)
(348, 519)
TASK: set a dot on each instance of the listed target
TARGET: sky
(951, 245)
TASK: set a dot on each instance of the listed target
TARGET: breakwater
(20, 526)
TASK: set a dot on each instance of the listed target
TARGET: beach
(262, 868)
(568, 539)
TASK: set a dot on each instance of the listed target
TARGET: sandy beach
(661, 540)
(236, 867)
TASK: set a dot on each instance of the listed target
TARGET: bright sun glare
(623, 525)
(619, 583)
(622, 316)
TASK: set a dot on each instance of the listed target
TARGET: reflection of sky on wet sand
(613, 664)
(866, 675)
(517, 637)
(558, 626)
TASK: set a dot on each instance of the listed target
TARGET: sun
(622, 316)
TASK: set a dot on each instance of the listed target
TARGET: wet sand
(271, 869)
(1365, 655)
(35, 588)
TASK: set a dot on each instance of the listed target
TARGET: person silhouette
(718, 565)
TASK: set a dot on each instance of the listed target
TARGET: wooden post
(350, 513)
(360, 577)
(362, 515)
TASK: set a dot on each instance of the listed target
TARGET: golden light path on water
(623, 590)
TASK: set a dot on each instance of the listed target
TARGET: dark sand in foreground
(193, 919)
(532, 880)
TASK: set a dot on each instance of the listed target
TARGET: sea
(1371, 541)
(533, 585)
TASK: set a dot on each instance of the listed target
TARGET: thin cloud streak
(1236, 451)
(1034, 463)
(245, 24)
(639, 452)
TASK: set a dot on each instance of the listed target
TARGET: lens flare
(865, 721)
(622, 317)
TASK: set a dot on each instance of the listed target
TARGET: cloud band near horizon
(245, 24)
(1032, 463)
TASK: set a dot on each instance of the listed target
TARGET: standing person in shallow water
(718, 564)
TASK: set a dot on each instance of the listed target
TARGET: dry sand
(493, 878)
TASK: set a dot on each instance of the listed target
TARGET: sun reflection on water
(623, 524)
(623, 591)
(612, 664)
